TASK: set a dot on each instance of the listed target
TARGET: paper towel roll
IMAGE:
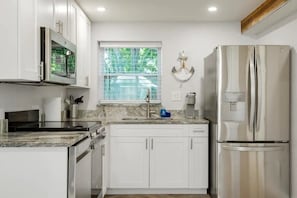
(2, 114)
(52, 108)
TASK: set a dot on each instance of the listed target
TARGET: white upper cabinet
(8, 39)
(18, 50)
(72, 20)
(20, 37)
(46, 13)
(83, 46)
(61, 17)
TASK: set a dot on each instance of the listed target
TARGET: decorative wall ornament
(182, 73)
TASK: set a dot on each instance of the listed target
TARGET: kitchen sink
(144, 118)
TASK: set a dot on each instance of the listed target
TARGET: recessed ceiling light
(101, 9)
(212, 9)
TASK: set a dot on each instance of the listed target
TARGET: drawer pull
(198, 131)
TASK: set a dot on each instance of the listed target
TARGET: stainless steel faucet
(148, 106)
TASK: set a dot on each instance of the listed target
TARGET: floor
(157, 196)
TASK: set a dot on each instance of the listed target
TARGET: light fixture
(212, 9)
(101, 9)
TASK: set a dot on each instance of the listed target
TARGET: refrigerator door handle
(255, 149)
(259, 89)
(252, 93)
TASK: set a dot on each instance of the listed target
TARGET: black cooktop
(29, 121)
(53, 126)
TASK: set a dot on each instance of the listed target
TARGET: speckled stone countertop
(156, 120)
(41, 139)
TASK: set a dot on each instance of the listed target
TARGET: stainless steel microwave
(58, 58)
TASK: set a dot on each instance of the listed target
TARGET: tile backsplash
(119, 111)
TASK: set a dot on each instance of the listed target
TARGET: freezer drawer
(253, 170)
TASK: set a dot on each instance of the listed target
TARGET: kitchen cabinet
(169, 162)
(20, 42)
(129, 162)
(83, 45)
(198, 156)
(72, 20)
(61, 17)
(159, 156)
(18, 50)
(33, 172)
(46, 13)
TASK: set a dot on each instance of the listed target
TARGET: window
(128, 70)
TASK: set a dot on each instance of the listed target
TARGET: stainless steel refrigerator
(247, 101)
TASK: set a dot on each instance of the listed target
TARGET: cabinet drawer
(140, 130)
(198, 130)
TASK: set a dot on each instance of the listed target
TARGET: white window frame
(127, 44)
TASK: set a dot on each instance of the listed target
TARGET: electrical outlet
(176, 96)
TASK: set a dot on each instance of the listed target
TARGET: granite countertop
(41, 139)
(157, 120)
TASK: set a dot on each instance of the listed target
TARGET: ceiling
(168, 10)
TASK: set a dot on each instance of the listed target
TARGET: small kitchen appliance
(190, 105)
(58, 58)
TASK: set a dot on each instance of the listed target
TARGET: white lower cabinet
(150, 157)
(169, 162)
(33, 172)
(198, 162)
(129, 162)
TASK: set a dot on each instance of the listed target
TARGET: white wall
(196, 39)
(286, 35)
(19, 97)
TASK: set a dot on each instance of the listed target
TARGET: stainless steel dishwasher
(79, 169)
(98, 152)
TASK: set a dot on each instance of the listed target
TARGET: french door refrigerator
(247, 100)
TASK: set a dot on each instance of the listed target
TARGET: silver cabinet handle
(152, 144)
(146, 143)
(59, 24)
(191, 144)
(256, 149)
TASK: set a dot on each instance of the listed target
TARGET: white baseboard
(117, 191)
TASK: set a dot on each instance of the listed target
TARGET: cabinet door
(169, 162)
(27, 34)
(45, 16)
(129, 160)
(198, 159)
(61, 14)
(72, 12)
(8, 39)
(83, 49)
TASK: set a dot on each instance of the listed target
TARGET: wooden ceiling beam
(260, 13)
